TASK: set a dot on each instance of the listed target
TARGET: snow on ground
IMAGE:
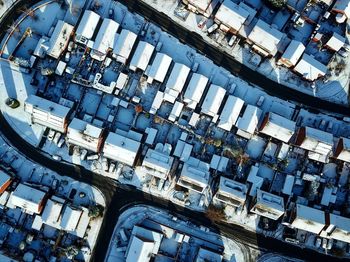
(334, 90)
(233, 251)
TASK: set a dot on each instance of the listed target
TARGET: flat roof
(121, 148)
(341, 231)
(232, 15)
(88, 24)
(309, 68)
(266, 37)
(196, 172)
(139, 250)
(54, 109)
(278, 127)
(158, 161)
(142, 56)
(268, 205)
(232, 188)
(213, 100)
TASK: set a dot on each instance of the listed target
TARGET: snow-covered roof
(176, 82)
(52, 213)
(87, 24)
(340, 228)
(124, 44)
(230, 112)
(309, 219)
(141, 56)
(104, 39)
(176, 111)
(309, 68)
(277, 127)
(207, 255)
(195, 90)
(249, 121)
(42, 46)
(139, 250)
(293, 53)
(47, 113)
(84, 134)
(219, 163)
(195, 175)
(70, 218)
(213, 100)
(336, 42)
(343, 7)
(159, 162)
(121, 148)
(268, 205)
(266, 36)
(159, 68)
(201, 4)
(342, 151)
(27, 198)
(59, 38)
(288, 185)
(231, 15)
(255, 180)
(315, 140)
(231, 192)
(4, 178)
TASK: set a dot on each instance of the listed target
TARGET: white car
(57, 138)
(51, 135)
(61, 142)
(57, 157)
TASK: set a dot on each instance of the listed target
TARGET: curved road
(119, 197)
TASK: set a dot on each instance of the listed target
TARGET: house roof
(213, 100)
(59, 38)
(159, 161)
(124, 43)
(53, 109)
(309, 219)
(176, 111)
(278, 127)
(176, 81)
(231, 15)
(142, 56)
(336, 42)
(266, 37)
(52, 213)
(310, 68)
(70, 218)
(160, 67)
(230, 112)
(84, 134)
(315, 140)
(207, 255)
(4, 177)
(121, 148)
(268, 205)
(250, 119)
(293, 52)
(88, 24)
(105, 38)
(231, 188)
(28, 198)
(196, 172)
(342, 6)
(195, 89)
(341, 226)
(139, 250)
(344, 154)
(202, 4)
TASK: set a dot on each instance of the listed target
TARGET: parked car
(12, 102)
(51, 135)
(212, 28)
(61, 142)
(57, 157)
(83, 154)
(57, 138)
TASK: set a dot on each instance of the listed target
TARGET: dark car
(12, 102)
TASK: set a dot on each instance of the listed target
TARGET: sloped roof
(309, 219)
(213, 100)
(250, 119)
(195, 89)
(142, 56)
(88, 24)
(230, 112)
(310, 68)
(336, 42)
(293, 52)
(124, 43)
(232, 15)
(278, 127)
(160, 67)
